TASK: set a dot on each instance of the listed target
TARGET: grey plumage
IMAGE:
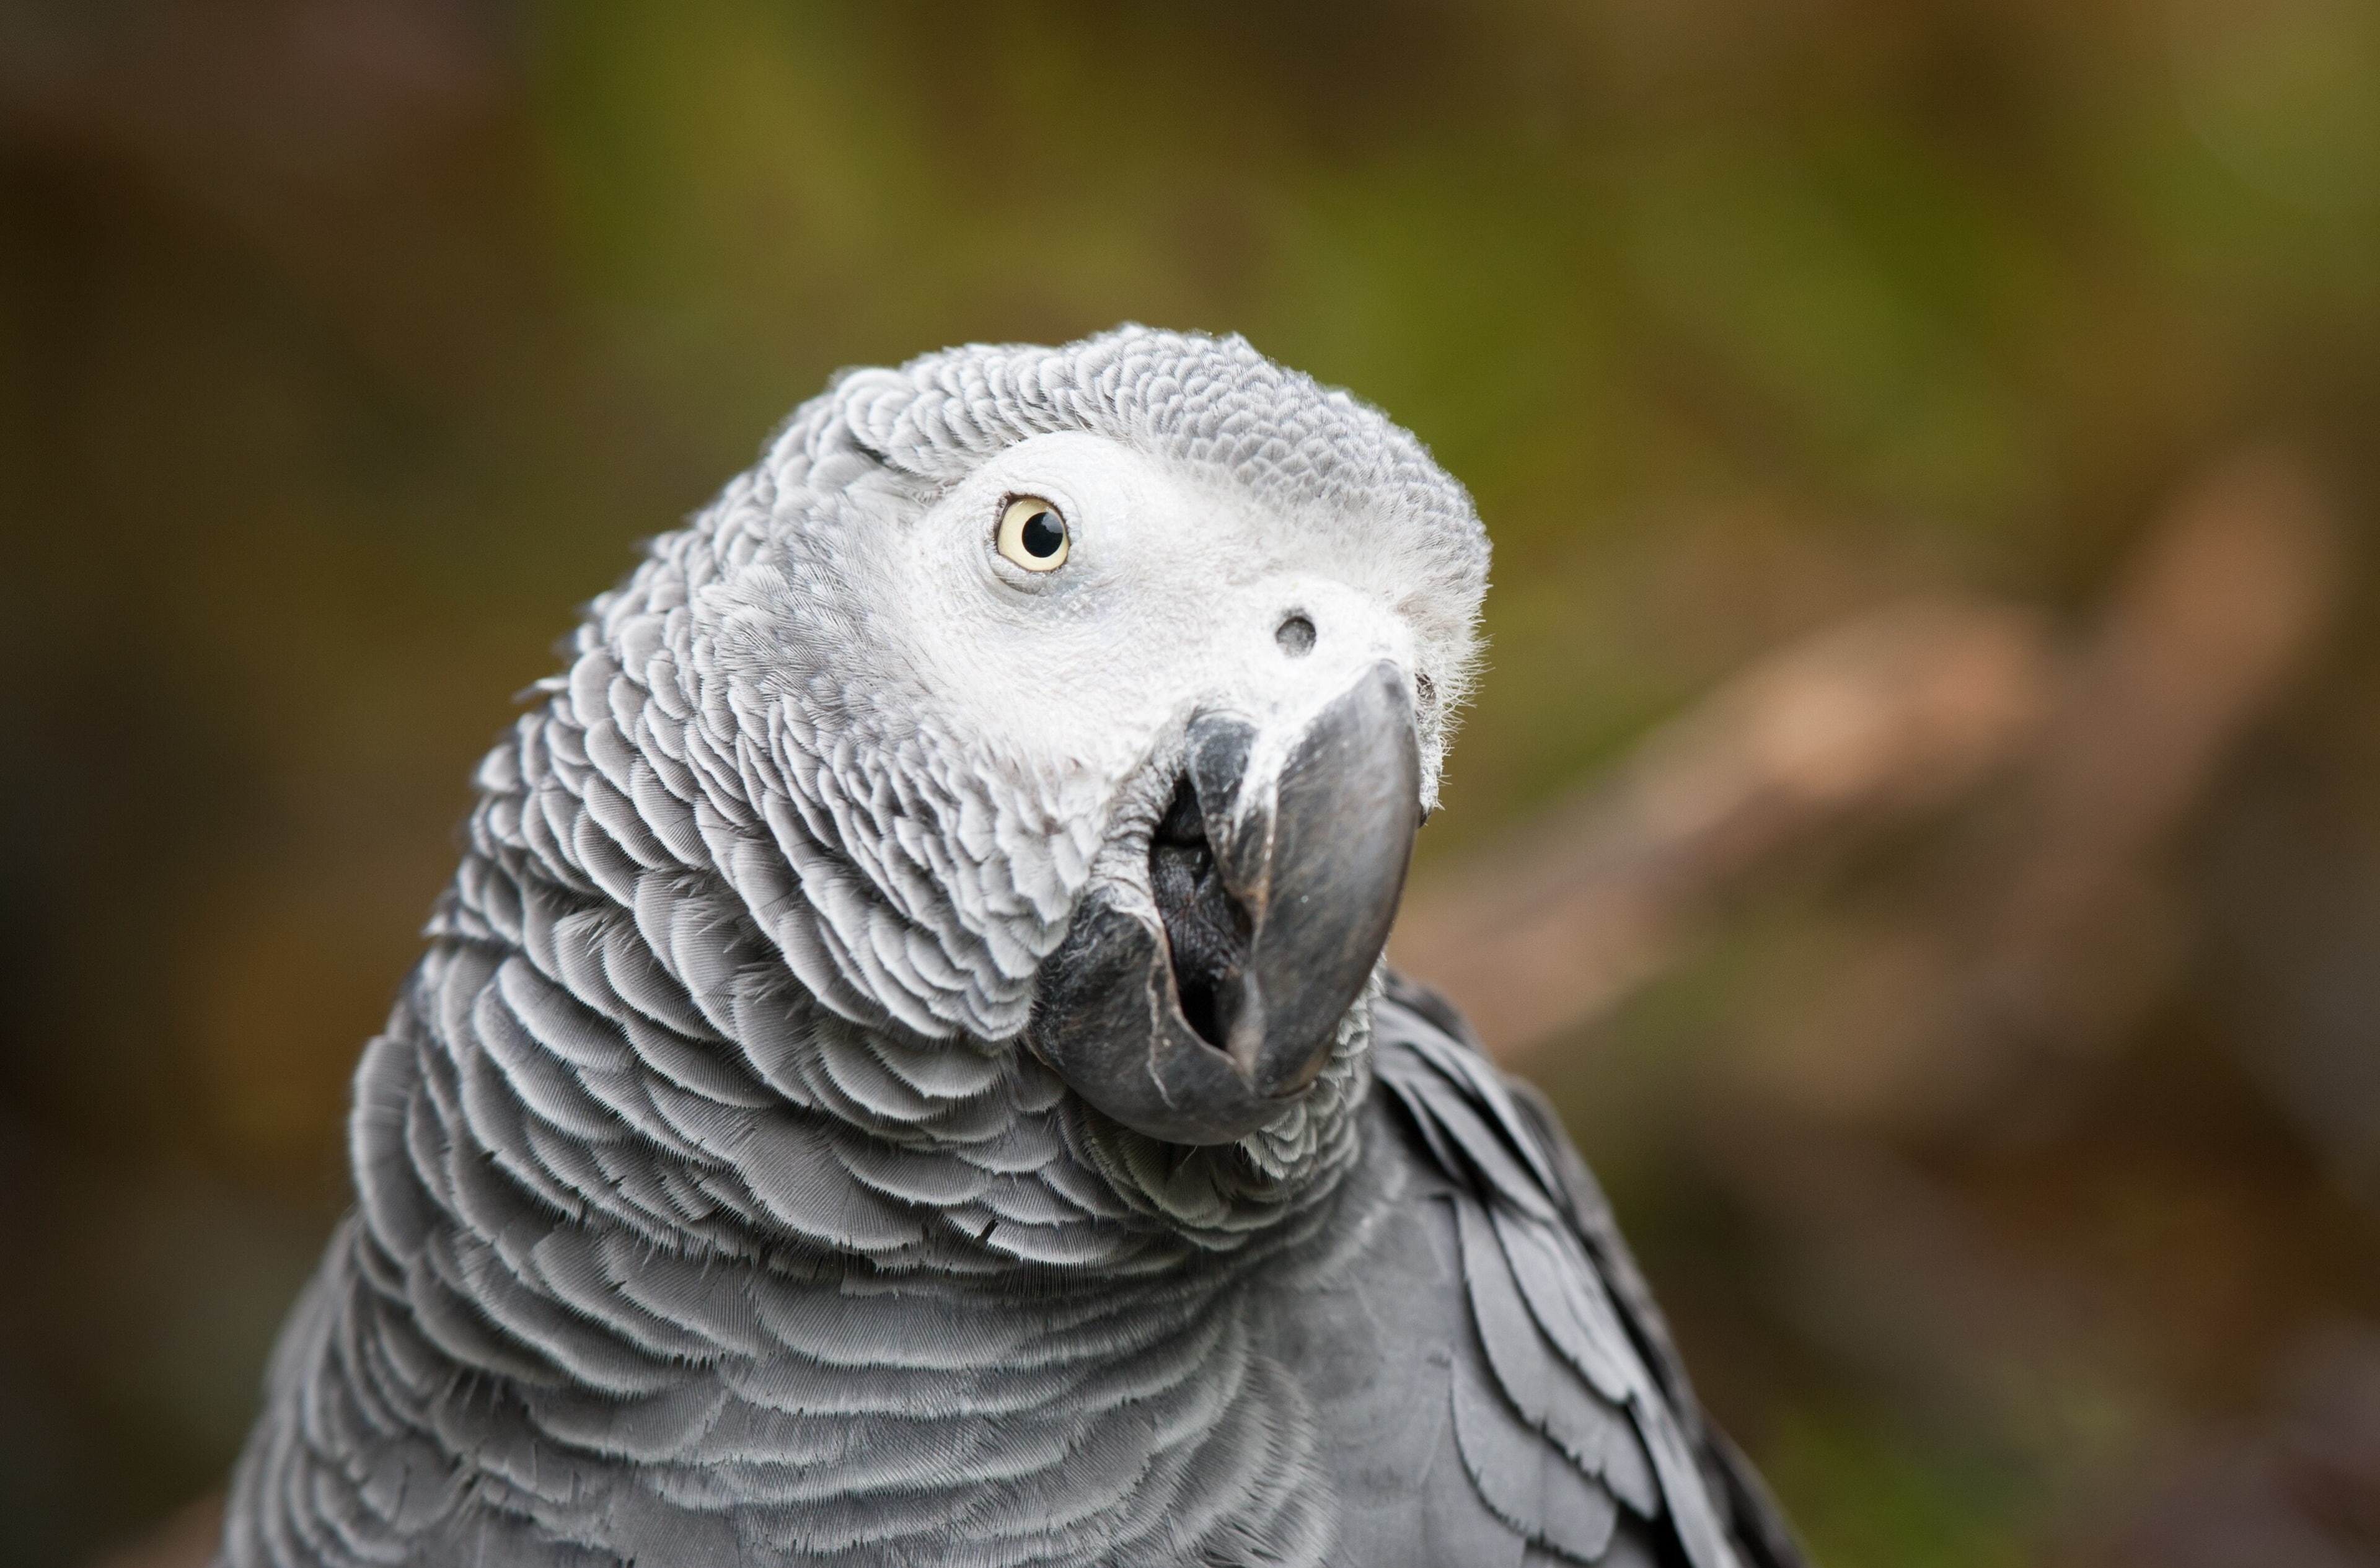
(708, 1208)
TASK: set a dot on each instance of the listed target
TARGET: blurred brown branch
(2045, 927)
(1894, 716)
(1891, 715)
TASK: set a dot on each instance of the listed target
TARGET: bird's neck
(609, 1210)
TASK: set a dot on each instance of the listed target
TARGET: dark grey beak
(1274, 884)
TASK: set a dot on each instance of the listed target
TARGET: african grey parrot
(905, 1073)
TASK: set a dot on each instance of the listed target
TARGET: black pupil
(1042, 535)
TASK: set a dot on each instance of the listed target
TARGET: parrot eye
(1032, 534)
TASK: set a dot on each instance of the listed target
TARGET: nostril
(1296, 635)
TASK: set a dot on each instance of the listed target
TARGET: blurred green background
(349, 344)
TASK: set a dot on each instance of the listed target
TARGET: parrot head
(1104, 689)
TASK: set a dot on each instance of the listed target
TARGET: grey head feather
(936, 865)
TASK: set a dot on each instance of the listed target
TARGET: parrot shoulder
(1491, 1379)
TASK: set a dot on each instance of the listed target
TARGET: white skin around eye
(1169, 598)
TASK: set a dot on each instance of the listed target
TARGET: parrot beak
(1274, 878)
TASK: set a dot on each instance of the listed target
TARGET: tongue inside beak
(1273, 889)
(1207, 932)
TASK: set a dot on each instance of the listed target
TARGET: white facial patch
(1171, 600)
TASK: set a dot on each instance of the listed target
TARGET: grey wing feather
(1374, 1351)
(1573, 1409)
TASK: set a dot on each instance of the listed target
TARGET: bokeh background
(1921, 819)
